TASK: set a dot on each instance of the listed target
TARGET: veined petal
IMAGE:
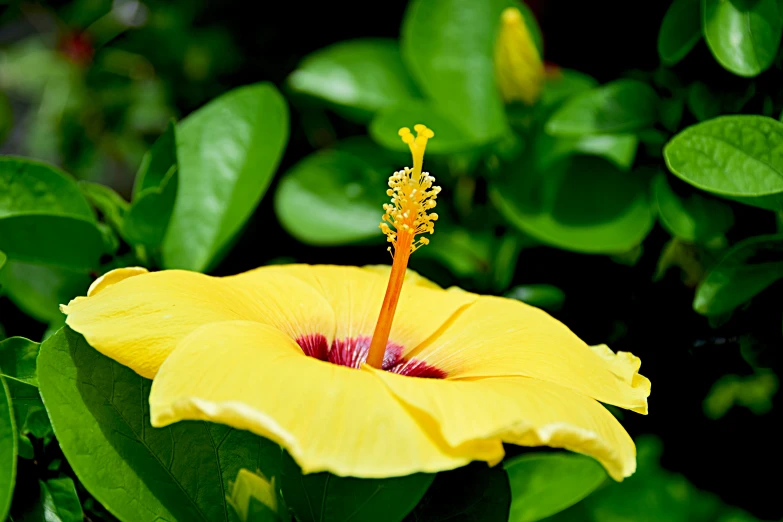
(137, 318)
(356, 295)
(518, 410)
(503, 337)
(330, 418)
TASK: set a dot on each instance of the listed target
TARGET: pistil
(407, 217)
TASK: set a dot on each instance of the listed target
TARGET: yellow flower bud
(518, 66)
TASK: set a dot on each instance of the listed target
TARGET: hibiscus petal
(138, 318)
(518, 410)
(330, 418)
(504, 337)
(356, 295)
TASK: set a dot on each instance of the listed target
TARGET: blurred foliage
(644, 205)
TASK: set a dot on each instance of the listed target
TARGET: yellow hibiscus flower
(360, 377)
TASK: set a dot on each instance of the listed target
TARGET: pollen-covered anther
(412, 196)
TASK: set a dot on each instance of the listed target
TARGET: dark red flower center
(352, 352)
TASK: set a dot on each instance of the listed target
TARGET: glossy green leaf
(150, 213)
(333, 197)
(63, 241)
(26, 449)
(478, 256)
(323, 497)
(9, 445)
(39, 290)
(227, 152)
(31, 186)
(564, 84)
(100, 415)
(584, 204)
(745, 270)
(680, 31)
(154, 193)
(543, 296)
(449, 136)
(110, 204)
(473, 493)
(543, 484)
(652, 494)
(697, 219)
(44, 218)
(157, 162)
(617, 107)
(620, 149)
(56, 501)
(448, 46)
(738, 156)
(363, 76)
(36, 422)
(17, 359)
(3, 259)
(26, 401)
(743, 35)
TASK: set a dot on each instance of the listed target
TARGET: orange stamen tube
(407, 216)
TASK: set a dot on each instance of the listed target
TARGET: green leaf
(154, 193)
(680, 31)
(697, 219)
(3, 259)
(26, 449)
(543, 296)
(620, 149)
(62, 241)
(110, 204)
(472, 493)
(323, 497)
(39, 290)
(333, 198)
(44, 218)
(31, 186)
(100, 415)
(543, 484)
(617, 107)
(227, 152)
(36, 423)
(9, 444)
(55, 501)
(448, 47)
(61, 503)
(25, 399)
(743, 35)
(17, 359)
(745, 270)
(478, 256)
(157, 162)
(150, 213)
(564, 84)
(736, 156)
(584, 204)
(449, 136)
(360, 77)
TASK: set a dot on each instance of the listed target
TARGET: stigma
(408, 216)
(406, 219)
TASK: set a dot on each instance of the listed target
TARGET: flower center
(353, 351)
(407, 216)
